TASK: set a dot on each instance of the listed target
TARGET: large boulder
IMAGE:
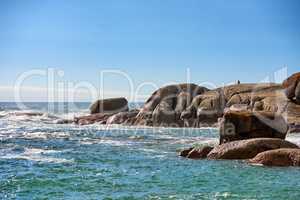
(240, 125)
(165, 105)
(112, 105)
(291, 86)
(278, 157)
(246, 149)
(164, 114)
(122, 117)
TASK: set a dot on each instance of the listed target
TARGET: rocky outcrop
(292, 87)
(190, 105)
(278, 157)
(246, 149)
(125, 118)
(240, 125)
(109, 106)
(196, 152)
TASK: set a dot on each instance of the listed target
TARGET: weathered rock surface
(165, 105)
(246, 149)
(278, 157)
(292, 87)
(240, 125)
(122, 117)
(111, 106)
(93, 118)
(196, 152)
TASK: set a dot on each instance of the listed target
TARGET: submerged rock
(278, 157)
(240, 125)
(246, 149)
(113, 105)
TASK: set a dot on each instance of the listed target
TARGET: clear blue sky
(220, 41)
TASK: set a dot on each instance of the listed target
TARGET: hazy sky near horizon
(154, 41)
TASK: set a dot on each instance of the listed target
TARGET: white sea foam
(88, 141)
(37, 155)
(294, 138)
(45, 135)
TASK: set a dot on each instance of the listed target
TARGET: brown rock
(122, 117)
(165, 105)
(246, 149)
(290, 85)
(112, 106)
(93, 118)
(240, 125)
(164, 114)
(278, 157)
(258, 106)
(185, 152)
(198, 153)
(290, 80)
(184, 99)
(297, 92)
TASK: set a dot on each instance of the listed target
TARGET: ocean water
(40, 159)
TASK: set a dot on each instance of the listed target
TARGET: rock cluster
(254, 118)
(190, 105)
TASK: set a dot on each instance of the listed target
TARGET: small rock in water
(196, 152)
(247, 149)
(278, 157)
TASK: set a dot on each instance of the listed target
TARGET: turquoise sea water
(40, 159)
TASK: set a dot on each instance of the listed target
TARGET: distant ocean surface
(40, 159)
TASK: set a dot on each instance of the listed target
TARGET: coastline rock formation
(254, 118)
(246, 149)
(190, 105)
(278, 157)
(241, 125)
(206, 107)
